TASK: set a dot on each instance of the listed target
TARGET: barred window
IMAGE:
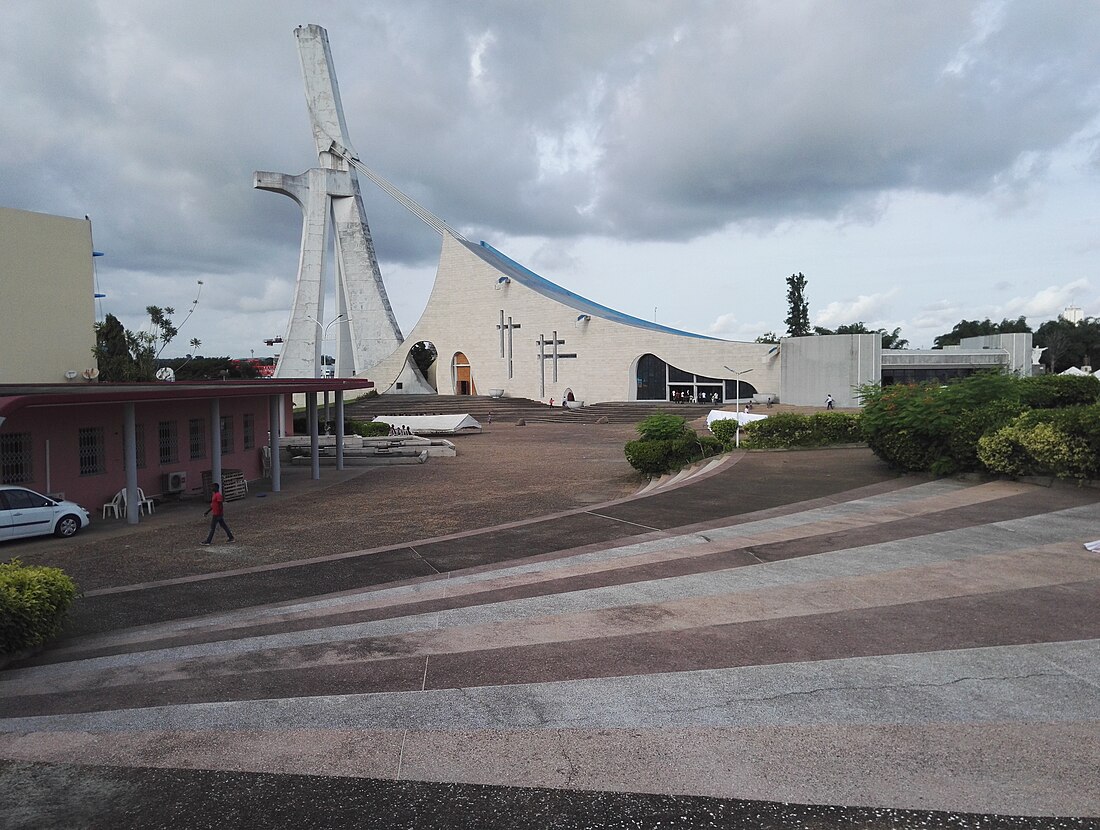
(168, 441)
(196, 428)
(249, 427)
(15, 458)
(139, 443)
(227, 434)
(90, 447)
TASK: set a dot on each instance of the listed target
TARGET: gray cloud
(630, 119)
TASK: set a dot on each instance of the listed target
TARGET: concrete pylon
(363, 325)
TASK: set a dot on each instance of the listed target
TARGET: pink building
(71, 439)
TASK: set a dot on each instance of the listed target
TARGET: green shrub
(1001, 452)
(907, 425)
(1055, 391)
(725, 431)
(663, 427)
(836, 428)
(650, 458)
(1056, 453)
(1056, 442)
(33, 604)
(660, 456)
(368, 429)
(972, 424)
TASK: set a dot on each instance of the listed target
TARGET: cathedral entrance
(461, 375)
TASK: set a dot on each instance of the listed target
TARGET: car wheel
(67, 526)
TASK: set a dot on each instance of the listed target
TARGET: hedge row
(790, 429)
(33, 603)
(943, 429)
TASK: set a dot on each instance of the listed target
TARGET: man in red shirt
(217, 509)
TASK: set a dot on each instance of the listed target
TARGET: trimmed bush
(973, 424)
(650, 458)
(663, 427)
(1055, 391)
(33, 603)
(667, 444)
(791, 429)
(1057, 442)
(725, 431)
(1002, 452)
(367, 429)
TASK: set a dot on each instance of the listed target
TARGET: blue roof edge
(538, 283)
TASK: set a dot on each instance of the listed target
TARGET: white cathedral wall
(463, 315)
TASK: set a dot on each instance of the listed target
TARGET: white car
(24, 512)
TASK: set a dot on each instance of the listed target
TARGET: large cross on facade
(554, 357)
(506, 339)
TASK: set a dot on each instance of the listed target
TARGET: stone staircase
(511, 410)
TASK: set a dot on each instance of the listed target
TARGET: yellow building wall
(47, 304)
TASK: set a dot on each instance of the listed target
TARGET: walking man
(216, 511)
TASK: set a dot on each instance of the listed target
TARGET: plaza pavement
(785, 639)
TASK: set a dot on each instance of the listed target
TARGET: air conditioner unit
(176, 482)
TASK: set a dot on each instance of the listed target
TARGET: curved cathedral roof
(526, 277)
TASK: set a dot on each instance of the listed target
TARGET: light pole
(317, 371)
(737, 402)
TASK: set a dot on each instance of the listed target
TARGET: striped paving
(902, 644)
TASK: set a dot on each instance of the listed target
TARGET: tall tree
(112, 352)
(1069, 344)
(798, 308)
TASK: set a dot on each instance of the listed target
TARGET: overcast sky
(919, 162)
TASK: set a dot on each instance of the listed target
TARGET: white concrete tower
(365, 329)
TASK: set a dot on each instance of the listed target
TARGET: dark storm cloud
(627, 119)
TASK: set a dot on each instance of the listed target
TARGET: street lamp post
(317, 370)
(737, 402)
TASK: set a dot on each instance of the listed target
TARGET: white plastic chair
(116, 505)
(145, 504)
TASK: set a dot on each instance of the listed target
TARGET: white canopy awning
(741, 417)
(433, 424)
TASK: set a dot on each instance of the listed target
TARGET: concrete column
(340, 429)
(129, 455)
(314, 443)
(216, 441)
(273, 418)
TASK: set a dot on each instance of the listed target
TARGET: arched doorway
(461, 375)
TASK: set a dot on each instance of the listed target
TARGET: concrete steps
(512, 409)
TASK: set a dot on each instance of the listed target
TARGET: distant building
(63, 433)
(47, 297)
(1072, 314)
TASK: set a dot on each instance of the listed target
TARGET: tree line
(1065, 343)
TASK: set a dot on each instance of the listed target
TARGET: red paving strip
(1035, 615)
(1032, 502)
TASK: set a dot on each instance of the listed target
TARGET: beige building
(47, 297)
(500, 329)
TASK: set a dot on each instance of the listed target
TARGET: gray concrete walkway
(787, 628)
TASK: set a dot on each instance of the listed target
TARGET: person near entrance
(216, 511)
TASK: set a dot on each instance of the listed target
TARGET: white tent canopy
(741, 417)
(433, 424)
